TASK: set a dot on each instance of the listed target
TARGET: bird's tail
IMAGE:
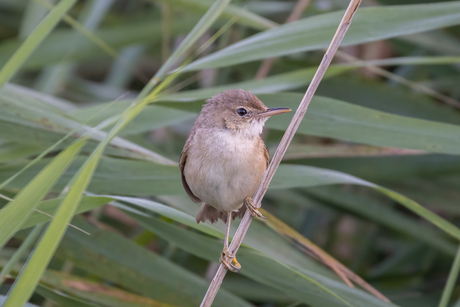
(210, 213)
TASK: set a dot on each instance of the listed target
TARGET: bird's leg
(249, 203)
(234, 265)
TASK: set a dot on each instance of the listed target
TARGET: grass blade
(298, 285)
(110, 255)
(53, 77)
(96, 292)
(31, 237)
(50, 206)
(245, 17)
(338, 119)
(13, 215)
(416, 60)
(373, 209)
(346, 274)
(28, 278)
(313, 33)
(447, 292)
(60, 298)
(26, 117)
(34, 39)
(205, 22)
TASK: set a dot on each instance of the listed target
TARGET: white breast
(222, 171)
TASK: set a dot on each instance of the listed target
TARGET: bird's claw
(249, 203)
(232, 265)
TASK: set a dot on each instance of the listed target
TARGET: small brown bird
(224, 159)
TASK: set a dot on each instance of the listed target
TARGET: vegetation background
(372, 176)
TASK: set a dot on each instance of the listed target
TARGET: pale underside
(218, 170)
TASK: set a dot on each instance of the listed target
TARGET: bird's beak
(273, 111)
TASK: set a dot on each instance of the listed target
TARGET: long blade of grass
(245, 17)
(313, 33)
(28, 279)
(106, 122)
(3, 298)
(109, 256)
(50, 206)
(341, 120)
(13, 215)
(276, 83)
(205, 22)
(34, 39)
(87, 31)
(401, 80)
(449, 287)
(42, 213)
(146, 31)
(33, 14)
(35, 160)
(372, 209)
(303, 151)
(307, 286)
(84, 31)
(52, 78)
(61, 298)
(142, 178)
(97, 292)
(346, 274)
(170, 213)
(10, 151)
(409, 60)
(26, 117)
(31, 237)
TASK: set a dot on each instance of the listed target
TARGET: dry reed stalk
(278, 156)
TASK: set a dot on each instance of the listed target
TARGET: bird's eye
(241, 112)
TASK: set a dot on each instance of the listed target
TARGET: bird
(224, 159)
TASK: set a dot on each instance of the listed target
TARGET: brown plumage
(224, 157)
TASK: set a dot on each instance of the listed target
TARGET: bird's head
(239, 111)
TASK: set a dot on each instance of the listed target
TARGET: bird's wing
(266, 155)
(182, 161)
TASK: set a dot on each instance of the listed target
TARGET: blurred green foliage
(372, 176)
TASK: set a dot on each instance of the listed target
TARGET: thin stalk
(101, 126)
(205, 22)
(447, 292)
(96, 40)
(25, 246)
(203, 47)
(278, 156)
(44, 213)
(33, 40)
(53, 77)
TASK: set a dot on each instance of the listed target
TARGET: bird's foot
(249, 203)
(229, 261)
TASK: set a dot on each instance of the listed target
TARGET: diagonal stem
(447, 292)
(281, 150)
